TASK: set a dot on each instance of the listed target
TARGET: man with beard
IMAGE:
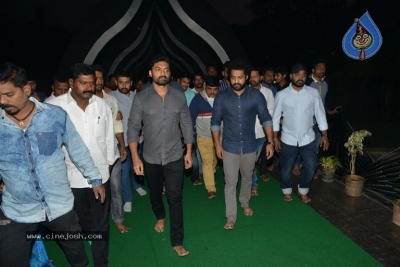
(201, 111)
(255, 82)
(238, 107)
(116, 204)
(165, 118)
(198, 82)
(112, 82)
(125, 97)
(94, 122)
(268, 79)
(33, 168)
(298, 104)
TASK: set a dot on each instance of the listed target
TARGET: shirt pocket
(152, 116)
(100, 128)
(47, 143)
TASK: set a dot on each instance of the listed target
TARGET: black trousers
(15, 249)
(173, 173)
(93, 217)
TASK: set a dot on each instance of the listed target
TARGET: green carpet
(278, 234)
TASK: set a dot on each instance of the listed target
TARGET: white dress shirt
(298, 110)
(52, 96)
(269, 97)
(95, 126)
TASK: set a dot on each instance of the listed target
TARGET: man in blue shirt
(238, 106)
(298, 104)
(32, 166)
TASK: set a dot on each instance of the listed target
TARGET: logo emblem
(363, 39)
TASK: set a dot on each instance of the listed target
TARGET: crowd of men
(70, 161)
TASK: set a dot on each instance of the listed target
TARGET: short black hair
(78, 69)
(212, 81)
(238, 64)
(123, 74)
(318, 61)
(185, 75)
(282, 70)
(198, 74)
(226, 64)
(97, 67)
(13, 74)
(60, 78)
(256, 68)
(267, 68)
(158, 58)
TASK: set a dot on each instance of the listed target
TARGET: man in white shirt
(93, 120)
(298, 104)
(60, 86)
(255, 82)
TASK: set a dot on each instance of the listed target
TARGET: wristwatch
(271, 143)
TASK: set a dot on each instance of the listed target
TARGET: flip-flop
(288, 199)
(230, 226)
(265, 178)
(305, 201)
(181, 254)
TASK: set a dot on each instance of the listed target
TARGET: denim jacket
(32, 165)
(239, 116)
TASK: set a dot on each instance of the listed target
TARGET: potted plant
(354, 183)
(329, 166)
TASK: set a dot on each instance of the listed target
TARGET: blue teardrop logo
(363, 39)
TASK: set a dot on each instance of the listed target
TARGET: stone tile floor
(363, 219)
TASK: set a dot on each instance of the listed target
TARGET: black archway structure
(124, 35)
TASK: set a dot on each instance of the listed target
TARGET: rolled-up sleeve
(186, 125)
(262, 110)
(320, 114)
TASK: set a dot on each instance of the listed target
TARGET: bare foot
(122, 227)
(229, 225)
(287, 197)
(180, 251)
(160, 226)
(248, 211)
(305, 198)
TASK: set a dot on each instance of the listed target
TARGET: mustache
(88, 91)
(165, 77)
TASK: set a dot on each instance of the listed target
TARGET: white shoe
(128, 206)
(141, 191)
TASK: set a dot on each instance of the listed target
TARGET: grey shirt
(163, 122)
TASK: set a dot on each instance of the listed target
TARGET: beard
(298, 83)
(253, 84)
(99, 87)
(124, 90)
(162, 80)
(238, 86)
(9, 112)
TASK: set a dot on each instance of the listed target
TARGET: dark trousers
(15, 249)
(173, 173)
(93, 217)
(263, 167)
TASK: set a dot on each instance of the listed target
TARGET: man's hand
(123, 153)
(99, 192)
(269, 151)
(188, 160)
(119, 116)
(277, 145)
(138, 166)
(324, 143)
(219, 151)
(334, 111)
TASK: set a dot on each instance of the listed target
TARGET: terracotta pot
(396, 214)
(354, 185)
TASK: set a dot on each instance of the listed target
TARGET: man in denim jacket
(32, 166)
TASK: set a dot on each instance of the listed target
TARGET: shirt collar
(315, 80)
